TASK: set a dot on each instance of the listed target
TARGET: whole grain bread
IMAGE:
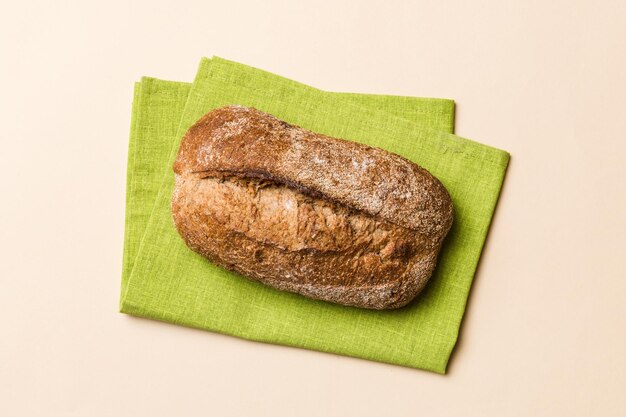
(327, 218)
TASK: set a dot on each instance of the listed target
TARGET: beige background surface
(544, 334)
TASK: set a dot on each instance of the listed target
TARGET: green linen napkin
(171, 283)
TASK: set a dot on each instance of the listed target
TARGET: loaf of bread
(327, 218)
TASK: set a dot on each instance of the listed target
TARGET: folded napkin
(164, 280)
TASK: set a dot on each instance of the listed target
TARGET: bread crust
(327, 218)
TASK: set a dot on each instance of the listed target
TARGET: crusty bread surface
(327, 218)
